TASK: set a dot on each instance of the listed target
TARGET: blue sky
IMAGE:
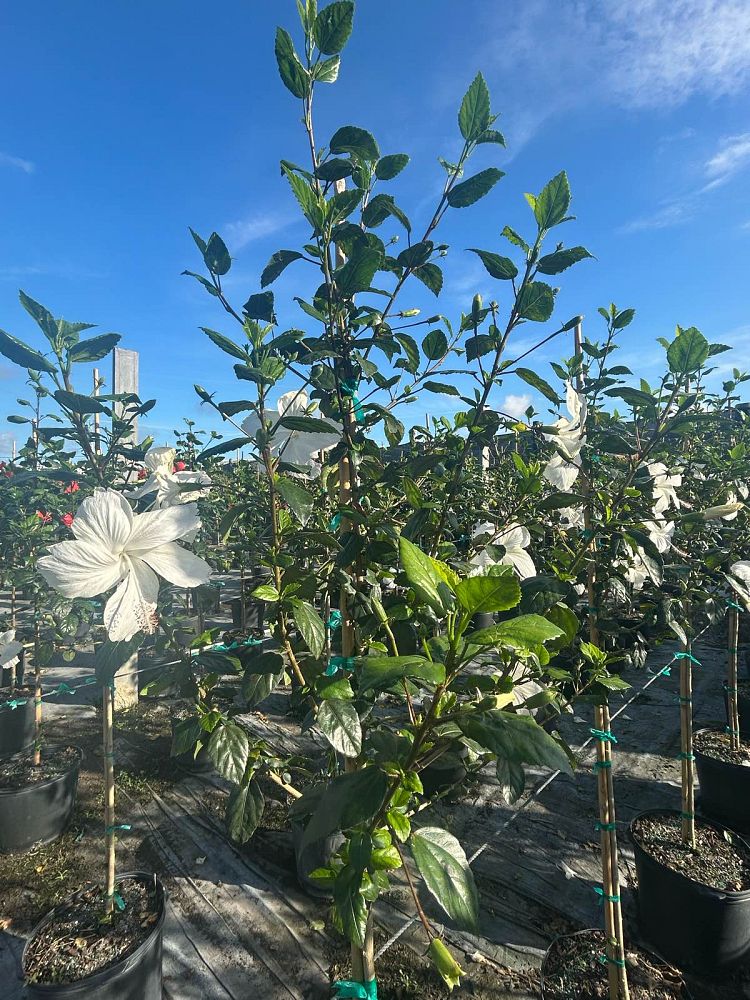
(124, 124)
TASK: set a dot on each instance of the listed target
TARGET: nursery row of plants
(434, 598)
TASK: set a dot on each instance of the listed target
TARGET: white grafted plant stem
(733, 716)
(109, 794)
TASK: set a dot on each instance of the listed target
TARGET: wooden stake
(732, 706)
(109, 792)
(686, 738)
(97, 440)
(37, 696)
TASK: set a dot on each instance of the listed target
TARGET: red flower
(179, 466)
(142, 473)
(67, 520)
(44, 517)
(72, 487)
(6, 471)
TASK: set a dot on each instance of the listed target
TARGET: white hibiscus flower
(167, 484)
(515, 540)
(563, 468)
(9, 649)
(660, 533)
(664, 486)
(636, 574)
(739, 578)
(295, 447)
(571, 517)
(114, 546)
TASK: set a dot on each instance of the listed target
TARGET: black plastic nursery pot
(725, 790)
(743, 710)
(137, 976)
(40, 812)
(691, 925)
(318, 854)
(483, 620)
(448, 770)
(17, 727)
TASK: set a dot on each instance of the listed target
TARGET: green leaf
(14, 418)
(476, 187)
(435, 345)
(333, 26)
(339, 723)
(443, 866)
(687, 352)
(346, 800)
(334, 170)
(203, 281)
(95, 348)
(357, 273)
(216, 255)
(293, 74)
(226, 345)
(260, 307)
(257, 687)
(524, 631)
(279, 262)
(536, 302)
(350, 905)
(537, 382)
(560, 260)
(76, 403)
(379, 208)
(382, 672)
(448, 390)
(356, 141)
(483, 594)
(185, 735)
(474, 114)
(41, 316)
(112, 655)
(551, 207)
(497, 266)
(309, 425)
(229, 748)
(244, 812)
(390, 166)
(430, 275)
(445, 964)
(511, 778)
(423, 576)
(512, 237)
(16, 351)
(328, 70)
(310, 624)
(297, 498)
(631, 396)
(515, 737)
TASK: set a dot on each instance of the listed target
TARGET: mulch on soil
(716, 861)
(20, 771)
(717, 745)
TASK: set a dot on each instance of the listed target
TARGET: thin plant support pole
(97, 439)
(732, 705)
(615, 942)
(109, 792)
(686, 738)
(243, 615)
(37, 694)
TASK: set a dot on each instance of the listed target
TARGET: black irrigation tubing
(532, 797)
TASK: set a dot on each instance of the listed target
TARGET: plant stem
(732, 706)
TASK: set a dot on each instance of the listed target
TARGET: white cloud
(516, 404)
(241, 232)
(6, 160)
(671, 214)
(732, 156)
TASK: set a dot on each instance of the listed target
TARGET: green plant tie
(349, 388)
(601, 765)
(687, 656)
(116, 827)
(334, 523)
(605, 826)
(603, 735)
(339, 663)
(684, 699)
(733, 649)
(685, 756)
(687, 815)
(334, 620)
(602, 896)
(38, 701)
(350, 989)
(587, 534)
(110, 755)
(89, 680)
(119, 901)
(735, 605)
(605, 959)
(15, 703)
(727, 688)
(62, 688)
(732, 732)
(667, 671)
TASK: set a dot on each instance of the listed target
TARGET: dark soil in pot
(724, 776)
(16, 724)
(573, 970)
(694, 905)
(74, 953)
(37, 801)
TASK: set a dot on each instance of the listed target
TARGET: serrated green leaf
(474, 114)
(470, 191)
(339, 723)
(443, 865)
(229, 748)
(245, 807)
(16, 351)
(499, 267)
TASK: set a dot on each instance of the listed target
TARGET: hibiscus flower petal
(104, 519)
(178, 565)
(132, 607)
(80, 568)
(157, 527)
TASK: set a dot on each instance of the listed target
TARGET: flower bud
(721, 511)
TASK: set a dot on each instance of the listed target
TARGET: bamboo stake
(97, 440)
(686, 738)
(732, 706)
(109, 793)
(37, 695)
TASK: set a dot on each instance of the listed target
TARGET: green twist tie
(38, 701)
(110, 755)
(349, 388)
(63, 688)
(605, 826)
(349, 989)
(604, 959)
(732, 732)
(667, 671)
(602, 896)
(735, 605)
(687, 656)
(119, 901)
(334, 620)
(684, 699)
(116, 827)
(601, 765)
(15, 703)
(334, 523)
(685, 756)
(89, 680)
(727, 688)
(603, 735)
(587, 534)
(687, 815)
(339, 663)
